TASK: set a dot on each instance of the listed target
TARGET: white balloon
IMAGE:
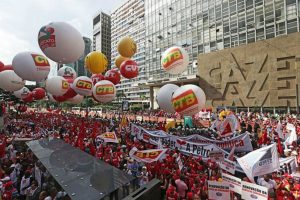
(61, 42)
(10, 81)
(57, 85)
(76, 100)
(188, 100)
(83, 85)
(164, 97)
(31, 66)
(22, 93)
(175, 60)
(67, 72)
(104, 91)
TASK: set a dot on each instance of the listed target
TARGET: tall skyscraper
(102, 35)
(203, 26)
(79, 64)
(129, 20)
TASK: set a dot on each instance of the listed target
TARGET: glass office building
(129, 20)
(203, 26)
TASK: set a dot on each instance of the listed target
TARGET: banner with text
(109, 137)
(228, 165)
(218, 190)
(235, 184)
(147, 156)
(252, 191)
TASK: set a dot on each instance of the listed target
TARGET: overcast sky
(20, 21)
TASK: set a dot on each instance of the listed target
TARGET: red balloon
(60, 98)
(28, 98)
(1, 65)
(70, 94)
(113, 76)
(129, 69)
(96, 78)
(38, 93)
(5, 67)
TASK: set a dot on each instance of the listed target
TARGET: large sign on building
(261, 74)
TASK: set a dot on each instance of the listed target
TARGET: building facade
(102, 35)
(204, 26)
(256, 75)
(129, 20)
(79, 64)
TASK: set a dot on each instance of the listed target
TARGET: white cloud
(20, 21)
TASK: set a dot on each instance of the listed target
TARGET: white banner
(228, 165)
(217, 156)
(252, 191)
(218, 190)
(260, 162)
(235, 184)
(135, 130)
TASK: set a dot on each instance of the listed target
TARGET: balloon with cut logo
(129, 69)
(96, 62)
(10, 81)
(104, 91)
(127, 47)
(6, 67)
(57, 85)
(113, 76)
(76, 100)
(164, 97)
(119, 60)
(188, 100)
(61, 42)
(83, 85)
(175, 60)
(96, 78)
(21, 93)
(31, 66)
(67, 72)
(38, 93)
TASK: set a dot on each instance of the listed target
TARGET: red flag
(279, 146)
(227, 130)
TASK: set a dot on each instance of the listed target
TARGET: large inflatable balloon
(129, 69)
(188, 100)
(113, 76)
(67, 72)
(1, 64)
(96, 62)
(175, 60)
(127, 47)
(164, 97)
(38, 93)
(83, 85)
(10, 81)
(61, 42)
(76, 100)
(119, 60)
(31, 66)
(57, 85)
(21, 93)
(96, 78)
(6, 67)
(59, 98)
(104, 91)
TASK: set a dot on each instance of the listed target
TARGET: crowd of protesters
(23, 176)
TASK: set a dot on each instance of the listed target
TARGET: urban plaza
(149, 100)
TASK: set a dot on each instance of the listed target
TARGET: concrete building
(259, 75)
(204, 26)
(129, 20)
(79, 64)
(102, 35)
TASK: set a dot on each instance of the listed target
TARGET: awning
(81, 175)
